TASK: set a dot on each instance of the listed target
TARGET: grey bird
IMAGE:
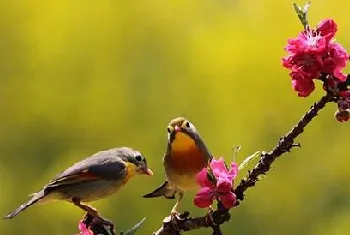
(93, 178)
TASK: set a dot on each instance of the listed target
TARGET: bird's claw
(101, 221)
(209, 217)
(96, 221)
(173, 218)
(174, 213)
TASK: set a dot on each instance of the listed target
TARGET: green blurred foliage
(81, 76)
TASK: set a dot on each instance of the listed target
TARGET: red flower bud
(342, 115)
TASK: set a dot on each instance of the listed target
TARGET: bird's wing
(102, 165)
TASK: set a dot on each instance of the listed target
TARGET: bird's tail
(36, 197)
(163, 190)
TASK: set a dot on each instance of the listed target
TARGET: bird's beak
(148, 171)
(177, 128)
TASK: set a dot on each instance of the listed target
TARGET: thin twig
(284, 145)
(213, 220)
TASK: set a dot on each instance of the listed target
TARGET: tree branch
(98, 226)
(220, 216)
(174, 226)
(284, 145)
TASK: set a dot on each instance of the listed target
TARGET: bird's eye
(187, 124)
(169, 129)
(138, 158)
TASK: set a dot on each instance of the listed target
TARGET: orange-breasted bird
(185, 156)
(93, 178)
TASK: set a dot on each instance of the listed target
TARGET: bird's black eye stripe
(138, 158)
(169, 131)
(187, 124)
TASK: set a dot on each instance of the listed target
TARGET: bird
(186, 154)
(93, 178)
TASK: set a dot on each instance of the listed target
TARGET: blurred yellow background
(82, 76)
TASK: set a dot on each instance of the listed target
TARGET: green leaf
(133, 230)
(246, 161)
(302, 13)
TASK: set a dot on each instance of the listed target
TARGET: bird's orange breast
(189, 162)
(185, 157)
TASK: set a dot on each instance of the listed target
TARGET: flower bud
(342, 115)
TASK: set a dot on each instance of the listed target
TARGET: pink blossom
(217, 188)
(314, 52)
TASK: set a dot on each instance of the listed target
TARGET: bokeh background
(82, 76)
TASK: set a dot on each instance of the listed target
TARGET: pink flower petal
(204, 197)
(234, 170)
(303, 87)
(218, 167)
(202, 179)
(228, 200)
(327, 28)
(345, 94)
(339, 74)
(340, 58)
(224, 181)
(83, 229)
(224, 185)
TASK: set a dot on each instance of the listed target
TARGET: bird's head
(136, 163)
(182, 134)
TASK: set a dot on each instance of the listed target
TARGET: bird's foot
(174, 213)
(98, 221)
(209, 217)
(98, 224)
(89, 209)
(173, 219)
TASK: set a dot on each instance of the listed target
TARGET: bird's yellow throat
(182, 142)
(131, 171)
